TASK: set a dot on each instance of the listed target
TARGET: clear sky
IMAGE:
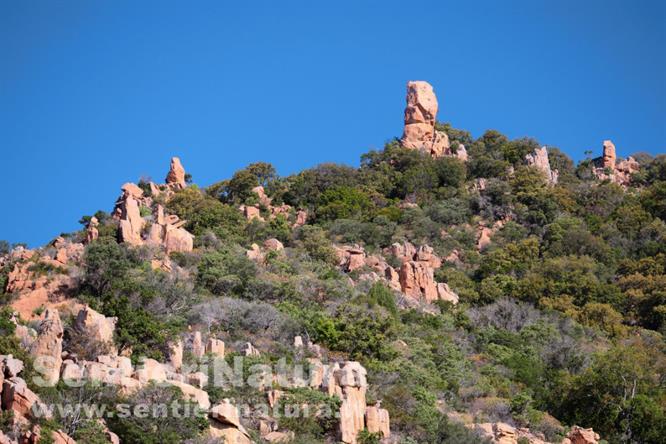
(97, 93)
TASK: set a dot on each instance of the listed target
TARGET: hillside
(449, 290)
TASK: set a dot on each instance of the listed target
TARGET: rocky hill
(449, 290)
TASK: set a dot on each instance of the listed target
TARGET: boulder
(17, 397)
(71, 371)
(192, 394)
(225, 423)
(215, 347)
(251, 212)
(301, 218)
(444, 293)
(228, 434)
(47, 347)
(150, 370)
(176, 176)
(279, 437)
(11, 366)
(261, 194)
(197, 379)
(255, 253)
(198, 348)
(273, 245)
(250, 350)
(579, 435)
(226, 413)
(178, 240)
(377, 420)
(176, 354)
(122, 363)
(96, 325)
(350, 258)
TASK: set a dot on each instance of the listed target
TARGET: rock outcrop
(416, 276)
(225, 424)
(176, 177)
(95, 325)
(503, 433)
(539, 160)
(377, 420)
(165, 230)
(35, 291)
(607, 167)
(47, 347)
(92, 232)
(128, 212)
(420, 119)
(579, 435)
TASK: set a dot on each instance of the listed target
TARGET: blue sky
(94, 94)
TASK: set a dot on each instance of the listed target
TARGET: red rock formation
(92, 233)
(417, 281)
(176, 176)
(607, 166)
(225, 424)
(579, 435)
(609, 157)
(539, 160)
(350, 381)
(377, 420)
(96, 325)
(129, 215)
(17, 397)
(47, 347)
(420, 118)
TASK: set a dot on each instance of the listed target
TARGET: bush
(156, 429)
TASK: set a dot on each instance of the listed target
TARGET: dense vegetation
(561, 319)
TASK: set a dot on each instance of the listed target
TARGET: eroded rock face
(47, 347)
(176, 176)
(37, 290)
(539, 160)
(417, 281)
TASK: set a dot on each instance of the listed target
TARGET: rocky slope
(173, 281)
